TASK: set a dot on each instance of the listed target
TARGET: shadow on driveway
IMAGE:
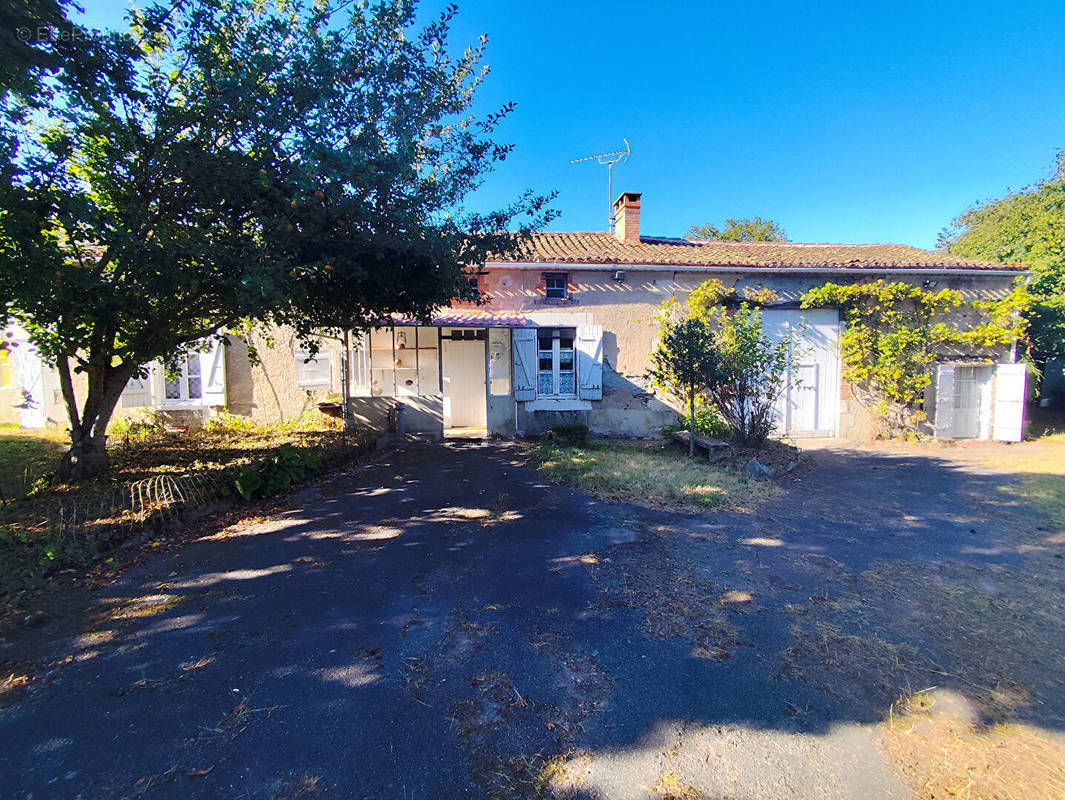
(442, 623)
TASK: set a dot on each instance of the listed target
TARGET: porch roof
(468, 318)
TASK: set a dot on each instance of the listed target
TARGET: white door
(809, 403)
(970, 407)
(31, 407)
(464, 383)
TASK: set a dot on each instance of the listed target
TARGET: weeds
(652, 475)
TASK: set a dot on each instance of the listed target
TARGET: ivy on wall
(893, 332)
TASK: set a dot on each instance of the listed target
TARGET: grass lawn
(1040, 465)
(38, 539)
(27, 456)
(654, 474)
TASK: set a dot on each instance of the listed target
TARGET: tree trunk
(87, 456)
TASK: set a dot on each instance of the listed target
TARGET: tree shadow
(443, 622)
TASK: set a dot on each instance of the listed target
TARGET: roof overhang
(463, 318)
(558, 265)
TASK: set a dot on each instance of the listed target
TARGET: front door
(464, 382)
(807, 405)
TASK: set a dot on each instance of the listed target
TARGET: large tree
(748, 229)
(1027, 225)
(295, 162)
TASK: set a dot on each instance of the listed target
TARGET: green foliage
(226, 423)
(707, 422)
(707, 296)
(683, 362)
(748, 229)
(893, 331)
(273, 475)
(569, 434)
(750, 373)
(1027, 226)
(714, 350)
(301, 162)
(134, 428)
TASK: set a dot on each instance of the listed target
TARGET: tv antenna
(609, 159)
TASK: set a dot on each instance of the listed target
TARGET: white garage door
(809, 404)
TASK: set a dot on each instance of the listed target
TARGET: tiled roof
(477, 318)
(604, 248)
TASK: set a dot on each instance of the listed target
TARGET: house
(566, 334)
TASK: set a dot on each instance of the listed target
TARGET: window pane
(173, 389)
(565, 360)
(545, 385)
(192, 367)
(567, 383)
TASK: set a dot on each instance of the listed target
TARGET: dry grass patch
(1040, 465)
(943, 753)
(669, 787)
(649, 474)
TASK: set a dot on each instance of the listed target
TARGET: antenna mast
(609, 159)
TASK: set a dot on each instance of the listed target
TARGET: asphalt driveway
(441, 623)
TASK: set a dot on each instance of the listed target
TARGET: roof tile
(604, 248)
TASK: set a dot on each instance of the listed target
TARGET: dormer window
(556, 285)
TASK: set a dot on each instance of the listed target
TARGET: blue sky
(843, 121)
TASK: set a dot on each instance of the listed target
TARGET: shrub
(707, 422)
(683, 362)
(137, 428)
(270, 476)
(570, 434)
(230, 423)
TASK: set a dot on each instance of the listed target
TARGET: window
(315, 373)
(187, 385)
(5, 369)
(555, 285)
(557, 372)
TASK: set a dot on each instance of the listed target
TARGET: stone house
(565, 333)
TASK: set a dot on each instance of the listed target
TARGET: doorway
(972, 401)
(463, 353)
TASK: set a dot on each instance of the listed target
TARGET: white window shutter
(945, 402)
(590, 362)
(524, 363)
(213, 374)
(138, 392)
(1008, 419)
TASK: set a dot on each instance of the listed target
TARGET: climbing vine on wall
(893, 331)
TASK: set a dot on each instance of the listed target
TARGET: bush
(139, 429)
(273, 475)
(570, 434)
(230, 423)
(707, 423)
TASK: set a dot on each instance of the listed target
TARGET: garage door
(809, 404)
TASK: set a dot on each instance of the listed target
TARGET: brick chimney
(627, 218)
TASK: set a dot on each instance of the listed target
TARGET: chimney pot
(627, 218)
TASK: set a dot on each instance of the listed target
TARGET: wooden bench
(715, 448)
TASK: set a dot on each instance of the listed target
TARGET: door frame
(481, 336)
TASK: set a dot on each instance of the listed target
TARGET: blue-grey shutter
(524, 346)
(590, 362)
